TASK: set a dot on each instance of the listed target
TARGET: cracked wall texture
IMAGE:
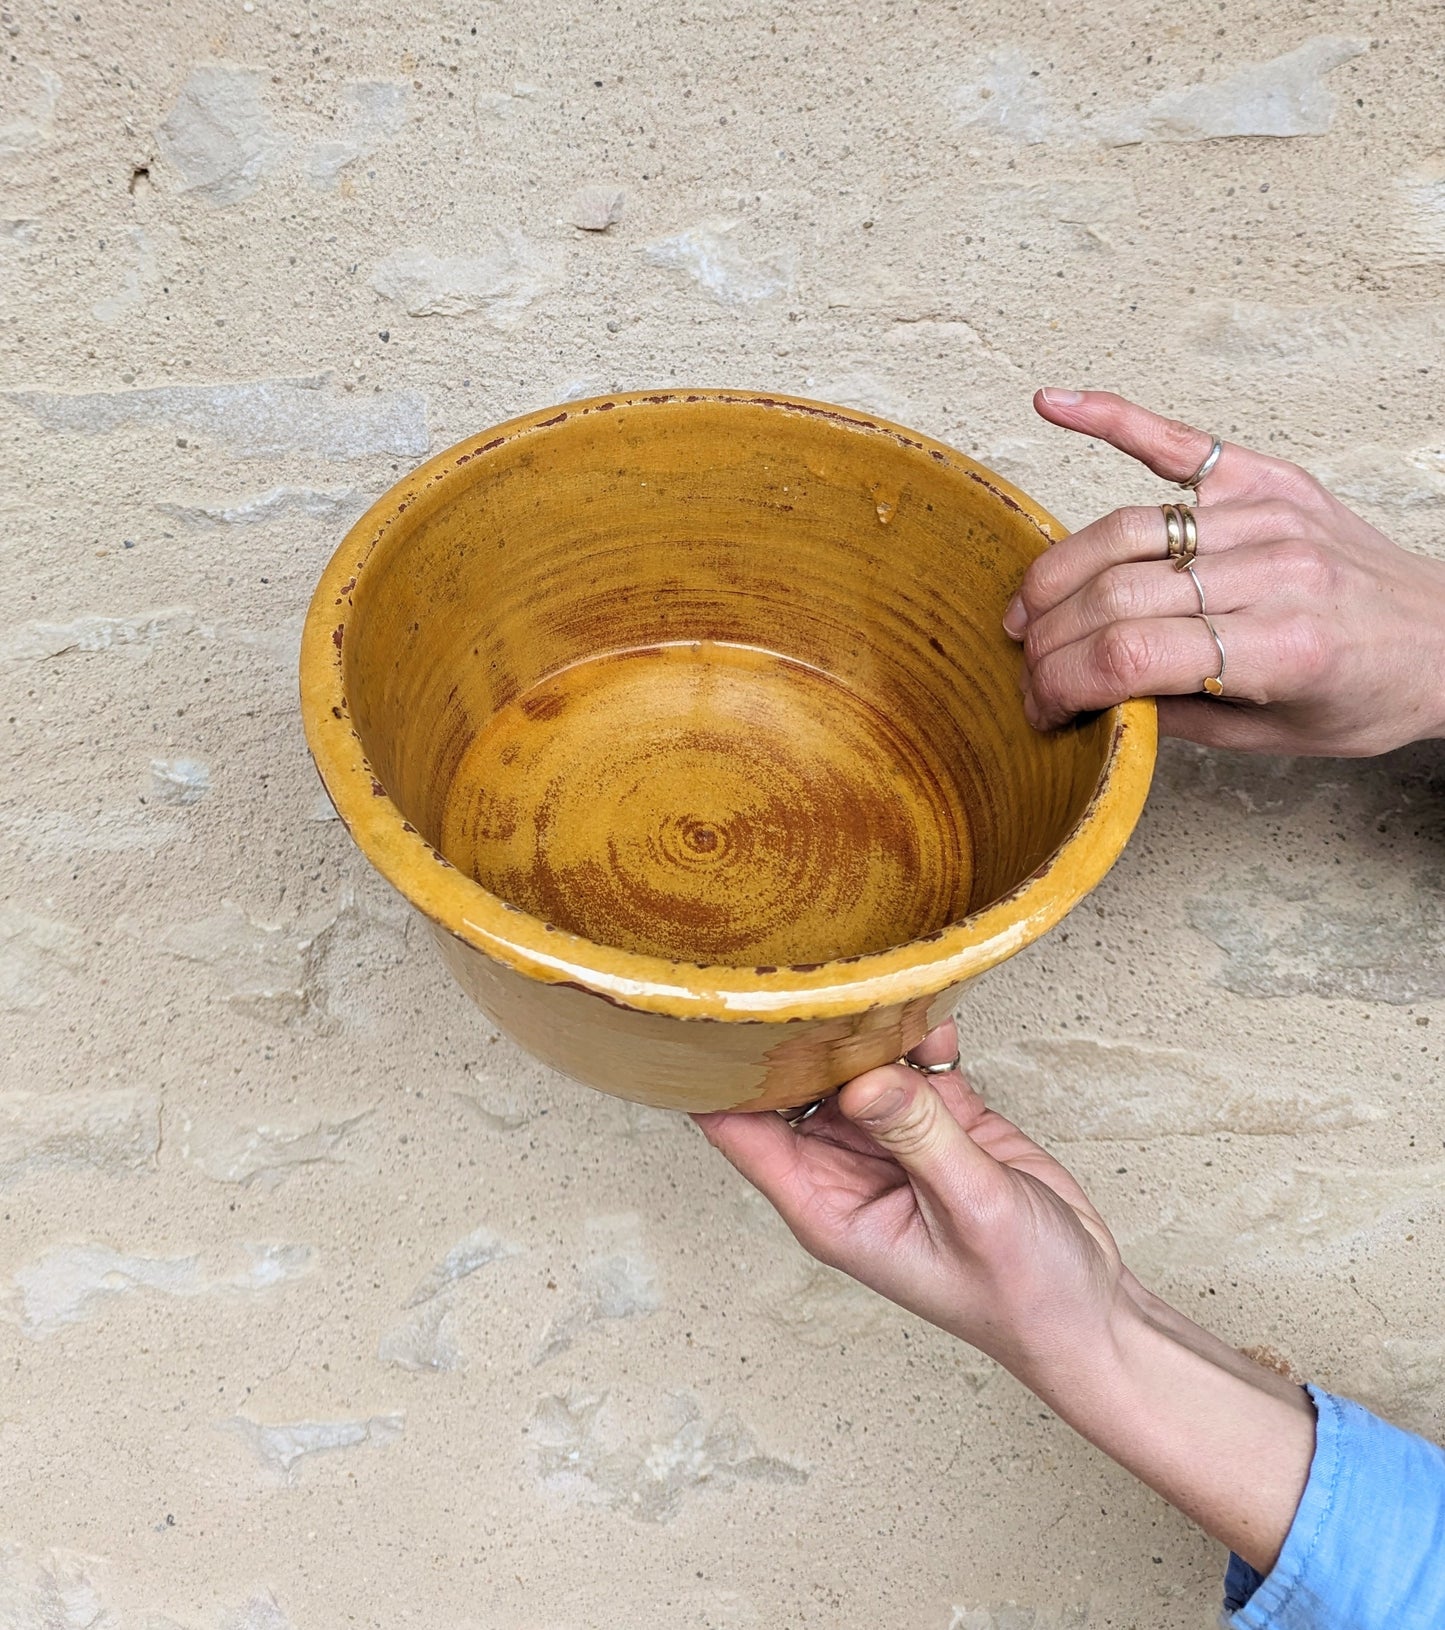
(320, 1305)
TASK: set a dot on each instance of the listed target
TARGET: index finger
(1168, 447)
(764, 1148)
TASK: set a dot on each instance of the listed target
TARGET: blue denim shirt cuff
(1366, 1549)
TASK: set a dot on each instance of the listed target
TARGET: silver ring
(796, 1117)
(1214, 686)
(1198, 589)
(1210, 461)
(934, 1069)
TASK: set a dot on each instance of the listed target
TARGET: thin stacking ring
(1211, 459)
(1198, 587)
(804, 1112)
(1214, 686)
(934, 1069)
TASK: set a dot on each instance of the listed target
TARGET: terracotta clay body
(688, 721)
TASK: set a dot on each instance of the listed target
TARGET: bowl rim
(458, 905)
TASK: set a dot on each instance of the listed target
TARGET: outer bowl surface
(710, 690)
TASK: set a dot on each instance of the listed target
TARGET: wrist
(1096, 1376)
(1226, 1442)
(1065, 1364)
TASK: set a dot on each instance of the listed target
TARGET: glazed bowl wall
(689, 720)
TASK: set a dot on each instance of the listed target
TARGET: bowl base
(711, 803)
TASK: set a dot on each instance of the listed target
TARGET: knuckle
(1297, 480)
(1128, 528)
(1304, 648)
(1293, 482)
(914, 1131)
(1125, 655)
(1114, 596)
(1037, 644)
(1043, 583)
(1110, 408)
(1178, 437)
(1280, 517)
(1047, 686)
(1307, 566)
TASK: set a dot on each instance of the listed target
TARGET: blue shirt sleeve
(1366, 1550)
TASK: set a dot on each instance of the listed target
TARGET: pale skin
(1335, 643)
(1334, 636)
(941, 1205)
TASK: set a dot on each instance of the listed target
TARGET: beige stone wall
(320, 1305)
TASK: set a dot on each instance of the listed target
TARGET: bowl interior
(716, 680)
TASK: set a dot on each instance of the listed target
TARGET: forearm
(1204, 1342)
(1225, 1442)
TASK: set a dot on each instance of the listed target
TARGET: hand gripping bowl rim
(651, 984)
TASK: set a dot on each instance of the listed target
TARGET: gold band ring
(1181, 532)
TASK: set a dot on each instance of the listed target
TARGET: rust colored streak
(542, 705)
(813, 411)
(1003, 497)
(338, 634)
(546, 424)
(377, 790)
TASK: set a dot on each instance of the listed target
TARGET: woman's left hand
(1333, 637)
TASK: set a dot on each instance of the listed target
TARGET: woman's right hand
(1334, 637)
(916, 1188)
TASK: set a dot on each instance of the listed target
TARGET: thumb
(904, 1114)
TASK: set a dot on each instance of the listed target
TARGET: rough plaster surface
(320, 1305)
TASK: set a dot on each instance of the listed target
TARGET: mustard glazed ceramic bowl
(688, 723)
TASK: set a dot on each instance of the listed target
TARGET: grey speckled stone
(256, 418)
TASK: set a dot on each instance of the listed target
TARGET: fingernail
(1059, 398)
(1031, 712)
(1015, 619)
(886, 1104)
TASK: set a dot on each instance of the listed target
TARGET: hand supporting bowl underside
(689, 722)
